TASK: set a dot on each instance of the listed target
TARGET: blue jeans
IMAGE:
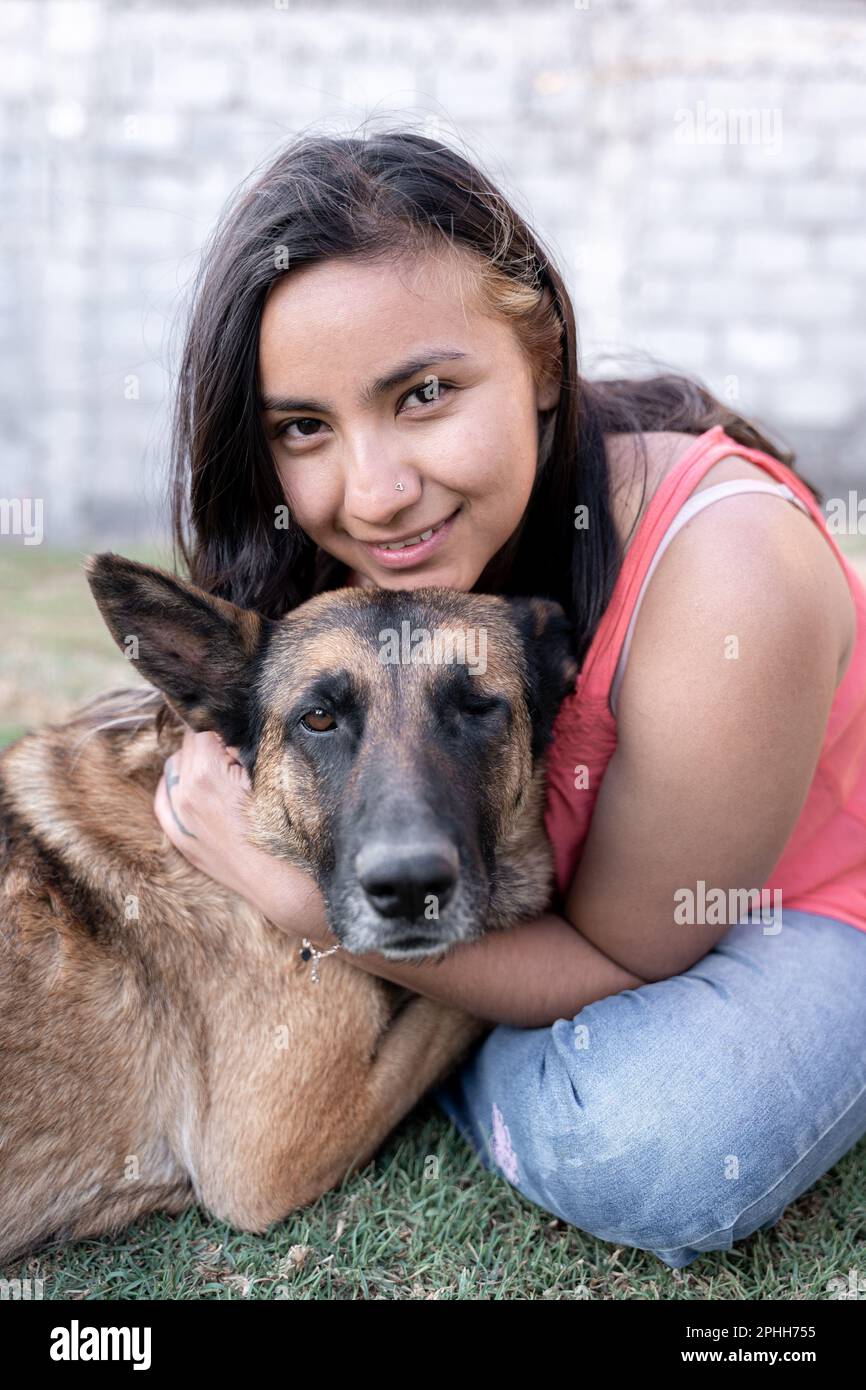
(686, 1114)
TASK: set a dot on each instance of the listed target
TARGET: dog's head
(394, 739)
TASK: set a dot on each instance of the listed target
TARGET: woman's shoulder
(801, 549)
(664, 449)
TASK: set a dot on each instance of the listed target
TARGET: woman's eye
(431, 391)
(284, 428)
(318, 721)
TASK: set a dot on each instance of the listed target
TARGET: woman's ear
(548, 392)
(550, 386)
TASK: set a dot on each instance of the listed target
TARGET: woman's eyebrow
(376, 389)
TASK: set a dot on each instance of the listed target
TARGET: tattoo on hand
(171, 780)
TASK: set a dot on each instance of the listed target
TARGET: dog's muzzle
(410, 900)
(411, 882)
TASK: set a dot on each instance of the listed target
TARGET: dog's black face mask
(393, 740)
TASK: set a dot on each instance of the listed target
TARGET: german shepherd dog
(161, 1042)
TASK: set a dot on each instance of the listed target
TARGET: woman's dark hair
(378, 198)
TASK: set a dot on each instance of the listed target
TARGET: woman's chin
(424, 577)
(431, 577)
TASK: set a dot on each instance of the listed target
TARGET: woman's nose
(379, 488)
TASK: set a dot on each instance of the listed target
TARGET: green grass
(389, 1232)
(393, 1233)
(55, 648)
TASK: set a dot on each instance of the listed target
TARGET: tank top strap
(692, 505)
(602, 659)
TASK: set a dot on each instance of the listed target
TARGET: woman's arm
(721, 718)
(737, 654)
(723, 709)
(528, 976)
(718, 741)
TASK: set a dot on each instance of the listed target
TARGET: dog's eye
(480, 705)
(318, 721)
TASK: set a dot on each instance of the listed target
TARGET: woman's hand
(201, 804)
(202, 776)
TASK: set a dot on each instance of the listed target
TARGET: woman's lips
(411, 554)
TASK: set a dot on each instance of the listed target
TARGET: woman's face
(373, 375)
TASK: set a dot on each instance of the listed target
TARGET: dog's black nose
(408, 881)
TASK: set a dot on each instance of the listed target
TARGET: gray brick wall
(699, 169)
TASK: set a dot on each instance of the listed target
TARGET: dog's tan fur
(180, 1052)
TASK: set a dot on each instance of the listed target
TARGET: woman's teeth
(413, 540)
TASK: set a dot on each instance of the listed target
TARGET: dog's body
(161, 1042)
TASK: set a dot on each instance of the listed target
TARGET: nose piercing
(399, 487)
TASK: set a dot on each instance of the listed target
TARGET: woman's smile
(415, 550)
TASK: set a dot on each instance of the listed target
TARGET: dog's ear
(197, 649)
(551, 668)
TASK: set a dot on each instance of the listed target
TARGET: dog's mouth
(358, 921)
(361, 930)
(408, 946)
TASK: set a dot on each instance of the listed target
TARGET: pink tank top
(823, 866)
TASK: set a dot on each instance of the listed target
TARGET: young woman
(379, 343)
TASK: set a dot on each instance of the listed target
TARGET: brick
(679, 245)
(685, 349)
(710, 125)
(19, 73)
(844, 347)
(650, 294)
(461, 92)
(846, 252)
(824, 200)
(768, 348)
(64, 279)
(20, 20)
(771, 252)
(820, 402)
(828, 102)
(798, 151)
(146, 230)
(132, 130)
(551, 97)
(187, 80)
(851, 154)
(812, 298)
(720, 296)
(73, 30)
(297, 97)
(717, 199)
